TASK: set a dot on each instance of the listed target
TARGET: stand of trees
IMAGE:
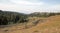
(7, 18)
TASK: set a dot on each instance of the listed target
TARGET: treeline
(7, 18)
(12, 17)
(43, 14)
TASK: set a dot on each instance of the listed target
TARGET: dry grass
(50, 25)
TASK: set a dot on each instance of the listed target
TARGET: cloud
(29, 6)
(21, 2)
(54, 8)
(7, 7)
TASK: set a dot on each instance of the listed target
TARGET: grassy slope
(51, 25)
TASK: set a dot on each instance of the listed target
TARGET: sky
(30, 6)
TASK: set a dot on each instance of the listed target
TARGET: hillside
(7, 18)
(36, 25)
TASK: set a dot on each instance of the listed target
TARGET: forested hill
(7, 17)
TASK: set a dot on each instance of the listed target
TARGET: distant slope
(43, 14)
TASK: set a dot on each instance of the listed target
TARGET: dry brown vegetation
(36, 25)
